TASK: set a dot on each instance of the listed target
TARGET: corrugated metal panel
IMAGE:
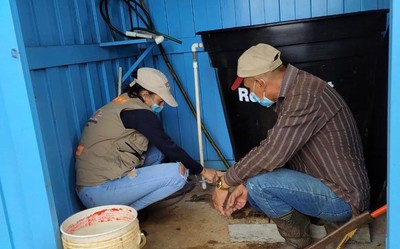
(393, 225)
(72, 76)
(27, 217)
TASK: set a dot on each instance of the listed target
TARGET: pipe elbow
(195, 46)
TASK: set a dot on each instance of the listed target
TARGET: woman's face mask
(157, 108)
(265, 101)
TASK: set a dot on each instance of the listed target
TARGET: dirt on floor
(189, 221)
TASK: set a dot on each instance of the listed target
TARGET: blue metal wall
(71, 76)
(68, 76)
(27, 217)
(393, 221)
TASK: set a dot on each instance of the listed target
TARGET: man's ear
(260, 82)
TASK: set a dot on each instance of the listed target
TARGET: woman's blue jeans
(148, 184)
(278, 192)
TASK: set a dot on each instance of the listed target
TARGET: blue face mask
(157, 108)
(265, 101)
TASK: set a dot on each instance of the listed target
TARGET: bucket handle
(142, 240)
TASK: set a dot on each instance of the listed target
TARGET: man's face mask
(265, 101)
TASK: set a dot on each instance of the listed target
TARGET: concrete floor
(190, 222)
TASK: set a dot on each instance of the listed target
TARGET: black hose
(103, 7)
(141, 6)
(130, 7)
(150, 28)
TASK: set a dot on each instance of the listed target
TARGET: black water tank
(348, 50)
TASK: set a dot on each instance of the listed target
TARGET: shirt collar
(288, 79)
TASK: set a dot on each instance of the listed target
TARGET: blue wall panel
(77, 101)
(180, 18)
(369, 4)
(228, 15)
(318, 8)
(209, 12)
(257, 11)
(61, 122)
(335, 7)
(303, 9)
(242, 13)
(72, 76)
(393, 225)
(287, 10)
(81, 22)
(28, 216)
(46, 24)
(352, 6)
(159, 19)
(272, 11)
(30, 31)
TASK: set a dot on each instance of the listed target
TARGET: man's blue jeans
(148, 184)
(276, 193)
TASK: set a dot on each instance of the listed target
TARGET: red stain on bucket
(109, 226)
(104, 215)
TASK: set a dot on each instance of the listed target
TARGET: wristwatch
(219, 184)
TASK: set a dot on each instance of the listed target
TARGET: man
(311, 163)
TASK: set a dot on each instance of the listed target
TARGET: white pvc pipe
(119, 80)
(198, 116)
(157, 39)
(140, 35)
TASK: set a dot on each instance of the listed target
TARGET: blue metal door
(27, 216)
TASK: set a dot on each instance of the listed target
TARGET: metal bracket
(131, 42)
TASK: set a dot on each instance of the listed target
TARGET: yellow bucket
(108, 227)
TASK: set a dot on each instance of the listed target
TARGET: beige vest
(107, 150)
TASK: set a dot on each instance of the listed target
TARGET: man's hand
(237, 200)
(219, 197)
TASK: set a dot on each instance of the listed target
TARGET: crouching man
(310, 165)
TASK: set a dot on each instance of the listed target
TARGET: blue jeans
(278, 192)
(148, 184)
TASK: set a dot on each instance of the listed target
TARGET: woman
(119, 159)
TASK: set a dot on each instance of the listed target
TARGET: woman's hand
(210, 175)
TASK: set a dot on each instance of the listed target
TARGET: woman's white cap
(156, 82)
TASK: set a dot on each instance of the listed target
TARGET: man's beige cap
(256, 60)
(156, 82)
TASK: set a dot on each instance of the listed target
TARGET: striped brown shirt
(316, 134)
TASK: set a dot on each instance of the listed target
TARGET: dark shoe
(295, 229)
